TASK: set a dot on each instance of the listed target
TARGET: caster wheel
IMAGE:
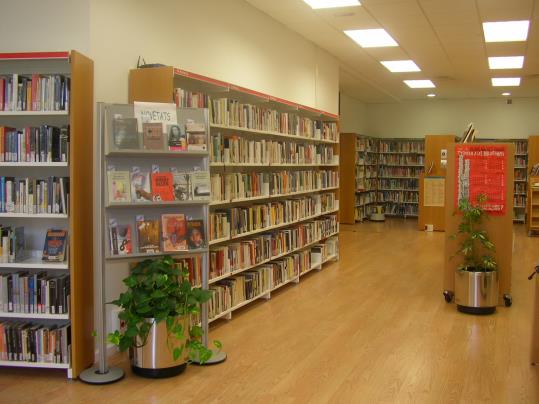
(448, 296)
(508, 300)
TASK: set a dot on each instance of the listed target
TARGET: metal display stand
(124, 159)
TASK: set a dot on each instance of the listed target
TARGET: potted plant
(476, 278)
(157, 312)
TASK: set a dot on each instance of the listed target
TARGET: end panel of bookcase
(347, 177)
(81, 212)
(154, 84)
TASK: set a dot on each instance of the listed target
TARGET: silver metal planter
(476, 292)
(155, 358)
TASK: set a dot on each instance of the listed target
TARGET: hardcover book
(200, 184)
(119, 188)
(140, 185)
(177, 138)
(174, 232)
(195, 234)
(162, 187)
(125, 134)
(55, 245)
(152, 135)
(182, 186)
(148, 235)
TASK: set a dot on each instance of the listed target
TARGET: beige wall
(493, 118)
(353, 115)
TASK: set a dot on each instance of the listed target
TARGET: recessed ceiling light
(506, 31)
(371, 38)
(431, 95)
(506, 62)
(506, 81)
(419, 83)
(399, 66)
(506, 94)
(332, 3)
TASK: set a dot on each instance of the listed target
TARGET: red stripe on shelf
(282, 101)
(35, 55)
(306, 108)
(248, 91)
(200, 77)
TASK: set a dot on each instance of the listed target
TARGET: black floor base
(476, 310)
(159, 373)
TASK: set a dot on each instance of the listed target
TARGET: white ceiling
(444, 38)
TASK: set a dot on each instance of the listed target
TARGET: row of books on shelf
(520, 187)
(36, 293)
(408, 184)
(386, 171)
(521, 147)
(400, 146)
(226, 187)
(34, 196)
(264, 247)
(34, 144)
(194, 266)
(12, 245)
(34, 92)
(365, 198)
(30, 342)
(233, 149)
(173, 137)
(172, 232)
(363, 212)
(520, 175)
(190, 99)
(396, 159)
(239, 220)
(520, 162)
(398, 209)
(366, 145)
(228, 112)
(398, 196)
(366, 184)
(519, 200)
(139, 185)
(231, 292)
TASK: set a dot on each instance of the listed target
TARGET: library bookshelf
(400, 162)
(533, 206)
(273, 155)
(78, 166)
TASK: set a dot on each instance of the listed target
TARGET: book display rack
(274, 182)
(46, 217)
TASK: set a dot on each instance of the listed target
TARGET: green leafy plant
(158, 289)
(474, 246)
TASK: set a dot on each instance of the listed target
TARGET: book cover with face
(140, 186)
(177, 138)
(174, 232)
(195, 234)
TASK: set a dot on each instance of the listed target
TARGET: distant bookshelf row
(34, 92)
(232, 293)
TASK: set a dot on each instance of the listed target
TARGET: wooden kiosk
(499, 227)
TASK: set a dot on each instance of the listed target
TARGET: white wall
(492, 117)
(353, 115)
(227, 40)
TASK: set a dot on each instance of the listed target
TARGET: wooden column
(347, 178)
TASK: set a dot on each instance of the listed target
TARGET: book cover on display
(162, 187)
(120, 238)
(177, 138)
(174, 232)
(55, 245)
(182, 186)
(196, 135)
(125, 134)
(195, 234)
(140, 185)
(118, 186)
(152, 135)
(200, 184)
(148, 235)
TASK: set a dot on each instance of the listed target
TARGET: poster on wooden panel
(481, 169)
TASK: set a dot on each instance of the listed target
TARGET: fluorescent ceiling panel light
(316, 4)
(371, 38)
(419, 83)
(400, 66)
(506, 31)
(431, 95)
(506, 81)
(506, 94)
(506, 62)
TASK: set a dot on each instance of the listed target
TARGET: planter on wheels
(476, 292)
(154, 358)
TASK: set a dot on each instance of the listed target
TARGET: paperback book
(152, 133)
(55, 245)
(196, 135)
(118, 186)
(162, 187)
(120, 238)
(200, 185)
(177, 138)
(140, 185)
(174, 232)
(195, 234)
(148, 235)
(125, 134)
(182, 186)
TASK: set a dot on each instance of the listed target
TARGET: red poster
(481, 169)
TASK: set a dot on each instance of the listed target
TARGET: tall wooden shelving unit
(158, 84)
(366, 176)
(400, 162)
(79, 222)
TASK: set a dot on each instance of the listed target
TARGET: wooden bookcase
(79, 222)
(533, 206)
(158, 84)
(400, 161)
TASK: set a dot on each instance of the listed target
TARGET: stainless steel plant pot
(155, 357)
(476, 292)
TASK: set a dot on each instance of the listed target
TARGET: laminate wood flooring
(371, 328)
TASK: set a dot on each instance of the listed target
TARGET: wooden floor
(372, 328)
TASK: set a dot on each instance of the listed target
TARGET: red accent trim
(234, 87)
(34, 55)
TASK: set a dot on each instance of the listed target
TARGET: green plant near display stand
(159, 291)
